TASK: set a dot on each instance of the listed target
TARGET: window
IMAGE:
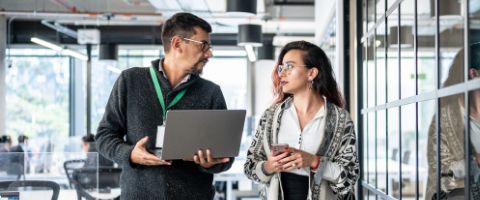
(414, 92)
(37, 97)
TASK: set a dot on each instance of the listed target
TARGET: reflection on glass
(452, 149)
(405, 42)
(371, 71)
(393, 176)
(452, 26)
(381, 150)
(392, 62)
(365, 167)
(370, 14)
(426, 110)
(426, 48)
(380, 7)
(408, 175)
(380, 64)
(366, 55)
(474, 121)
(372, 168)
(474, 126)
(364, 17)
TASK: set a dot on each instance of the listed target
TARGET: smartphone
(278, 148)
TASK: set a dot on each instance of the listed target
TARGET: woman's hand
(273, 164)
(298, 159)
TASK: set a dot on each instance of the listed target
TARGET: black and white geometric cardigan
(338, 146)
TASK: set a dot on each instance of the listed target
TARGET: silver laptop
(187, 131)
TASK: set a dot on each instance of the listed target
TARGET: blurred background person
(88, 146)
(23, 153)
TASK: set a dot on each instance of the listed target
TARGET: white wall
(263, 97)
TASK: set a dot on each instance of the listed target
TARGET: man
(88, 146)
(19, 159)
(134, 110)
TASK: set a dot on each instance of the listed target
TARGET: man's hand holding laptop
(204, 158)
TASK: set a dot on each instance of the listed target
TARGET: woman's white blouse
(311, 137)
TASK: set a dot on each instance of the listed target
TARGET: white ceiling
(274, 18)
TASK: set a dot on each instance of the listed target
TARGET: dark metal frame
(465, 88)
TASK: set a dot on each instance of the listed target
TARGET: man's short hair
(475, 55)
(88, 138)
(182, 24)
(21, 138)
(5, 139)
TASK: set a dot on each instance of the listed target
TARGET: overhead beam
(22, 31)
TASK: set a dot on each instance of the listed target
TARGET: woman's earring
(311, 84)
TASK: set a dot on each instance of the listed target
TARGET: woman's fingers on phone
(281, 155)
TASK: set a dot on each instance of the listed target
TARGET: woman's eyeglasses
(204, 45)
(287, 67)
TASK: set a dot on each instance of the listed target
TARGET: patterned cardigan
(338, 146)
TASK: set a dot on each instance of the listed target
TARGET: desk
(408, 172)
(65, 194)
(234, 174)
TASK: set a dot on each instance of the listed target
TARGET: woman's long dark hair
(313, 56)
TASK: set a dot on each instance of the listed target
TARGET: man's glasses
(287, 67)
(204, 45)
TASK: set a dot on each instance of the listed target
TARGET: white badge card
(159, 141)
(160, 136)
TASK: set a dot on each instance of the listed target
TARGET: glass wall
(37, 98)
(420, 86)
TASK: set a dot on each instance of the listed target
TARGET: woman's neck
(308, 102)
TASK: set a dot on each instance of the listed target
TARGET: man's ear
(473, 73)
(175, 43)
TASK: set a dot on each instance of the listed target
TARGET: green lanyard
(160, 95)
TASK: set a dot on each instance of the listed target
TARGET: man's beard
(197, 68)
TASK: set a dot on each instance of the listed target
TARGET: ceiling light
(46, 44)
(75, 54)
(242, 6)
(249, 34)
(108, 52)
(58, 48)
(266, 51)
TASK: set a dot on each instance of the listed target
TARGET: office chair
(69, 166)
(85, 179)
(14, 185)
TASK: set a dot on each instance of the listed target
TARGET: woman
(321, 160)
(452, 130)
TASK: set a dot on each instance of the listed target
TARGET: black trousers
(295, 187)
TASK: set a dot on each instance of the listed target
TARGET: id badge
(159, 141)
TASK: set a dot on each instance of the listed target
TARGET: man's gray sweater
(133, 111)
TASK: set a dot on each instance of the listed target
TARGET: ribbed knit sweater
(133, 111)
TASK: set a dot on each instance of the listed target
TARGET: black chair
(15, 185)
(103, 178)
(69, 166)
